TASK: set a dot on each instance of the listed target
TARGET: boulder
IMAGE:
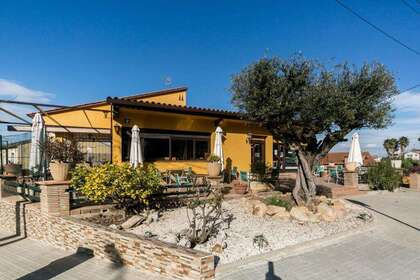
(326, 212)
(282, 215)
(257, 187)
(217, 248)
(132, 222)
(273, 210)
(259, 209)
(302, 214)
(153, 216)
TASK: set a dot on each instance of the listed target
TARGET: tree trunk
(305, 188)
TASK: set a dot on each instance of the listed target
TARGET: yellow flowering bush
(127, 186)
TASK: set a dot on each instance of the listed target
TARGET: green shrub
(213, 158)
(126, 186)
(383, 176)
(272, 200)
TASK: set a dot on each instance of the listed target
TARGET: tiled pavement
(390, 250)
(26, 259)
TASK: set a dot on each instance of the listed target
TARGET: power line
(389, 36)
(410, 88)
(411, 7)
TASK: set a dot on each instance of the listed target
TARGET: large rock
(259, 209)
(326, 212)
(302, 214)
(132, 222)
(273, 210)
(257, 187)
(284, 215)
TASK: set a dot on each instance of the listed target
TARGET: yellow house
(174, 135)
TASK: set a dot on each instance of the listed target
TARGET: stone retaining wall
(70, 233)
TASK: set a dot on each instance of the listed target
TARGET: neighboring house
(339, 158)
(174, 135)
(412, 155)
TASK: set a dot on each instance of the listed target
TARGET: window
(155, 149)
(182, 149)
(169, 145)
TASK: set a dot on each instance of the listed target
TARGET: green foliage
(260, 170)
(391, 146)
(299, 100)
(383, 176)
(276, 201)
(403, 143)
(213, 158)
(408, 165)
(62, 150)
(127, 186)
(260, 241)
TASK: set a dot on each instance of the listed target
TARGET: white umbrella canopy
(136, 155)
(218, 148)
(355, 154)
(37, 138)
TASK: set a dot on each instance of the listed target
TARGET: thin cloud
(15, 91)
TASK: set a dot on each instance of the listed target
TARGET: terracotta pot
(214, 169)
(59, 171)
(351, 166)
(240, 188)
(13, 169)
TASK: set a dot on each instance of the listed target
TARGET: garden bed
(251, 232)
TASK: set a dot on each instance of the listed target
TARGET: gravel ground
(245, 226)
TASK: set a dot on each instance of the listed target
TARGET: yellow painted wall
(235, 145)
(173, 98)
(79, 117)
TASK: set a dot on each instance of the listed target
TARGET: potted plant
(240, 187)
(62, 155)
(259, 171)
(12, 169)
(214, 165)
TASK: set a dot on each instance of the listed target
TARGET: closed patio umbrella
(355, 154)
(218, 148)
(37, 138)
(136, 155)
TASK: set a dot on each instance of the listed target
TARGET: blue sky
(79, 51)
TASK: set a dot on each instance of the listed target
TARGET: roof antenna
(168, 81)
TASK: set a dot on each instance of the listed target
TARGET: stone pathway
(388, 250)
(26, 259)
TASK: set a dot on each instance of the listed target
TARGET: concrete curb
(290, 251)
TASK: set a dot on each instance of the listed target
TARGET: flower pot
(351, 166)
(13, 169)
(59, 171)
(396, 163)
(214, 169)
(240, 188)
(258, 187)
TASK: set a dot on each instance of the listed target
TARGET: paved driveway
(389, 250)
(26, 259)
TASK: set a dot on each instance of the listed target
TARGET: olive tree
(311, 108)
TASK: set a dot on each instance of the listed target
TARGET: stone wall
(70, 233)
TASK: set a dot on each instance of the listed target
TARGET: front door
(257, 150)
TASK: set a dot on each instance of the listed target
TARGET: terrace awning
(355, 154)
(218, 145)
(136, 155)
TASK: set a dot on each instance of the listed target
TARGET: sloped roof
(103, 102)
(340, 158)
(163, 107)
